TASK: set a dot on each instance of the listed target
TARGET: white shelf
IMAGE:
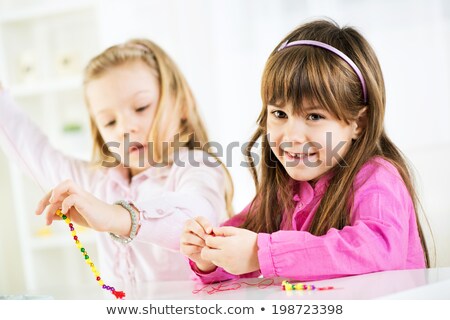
(53, 86)
(42, 11)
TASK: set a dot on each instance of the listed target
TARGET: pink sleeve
(199, 191)
(25, 144)
(379, 238)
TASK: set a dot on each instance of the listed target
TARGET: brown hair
(177, 107)
(305, 73)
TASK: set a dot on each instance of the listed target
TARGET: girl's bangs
(303, 78)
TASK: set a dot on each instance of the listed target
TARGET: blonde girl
(149, 173)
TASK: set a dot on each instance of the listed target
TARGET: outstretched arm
(25, 144)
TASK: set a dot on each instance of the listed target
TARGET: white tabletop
(402, 284)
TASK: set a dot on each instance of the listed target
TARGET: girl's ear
(360, 123)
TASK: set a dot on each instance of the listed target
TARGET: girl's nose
(129, 128)
(295, 131)
(129, 125)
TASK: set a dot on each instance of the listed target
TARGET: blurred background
(221, 47)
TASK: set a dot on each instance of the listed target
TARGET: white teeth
(299, 155)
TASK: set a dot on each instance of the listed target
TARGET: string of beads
(87, 259)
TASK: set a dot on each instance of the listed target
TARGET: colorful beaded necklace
(87, 259)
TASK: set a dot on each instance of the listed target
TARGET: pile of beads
(117, 294)
(285, 285)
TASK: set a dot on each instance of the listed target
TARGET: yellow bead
(299, 286)
(101, 282)
(97, 274)
(74, 233)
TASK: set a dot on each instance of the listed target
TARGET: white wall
(221, 46)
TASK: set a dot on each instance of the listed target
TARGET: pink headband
(288, 44)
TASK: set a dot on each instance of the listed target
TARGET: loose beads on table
(285, 285)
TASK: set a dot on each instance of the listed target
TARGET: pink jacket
(383, 233)
(166, 197)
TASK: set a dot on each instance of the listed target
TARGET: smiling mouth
(297, 156)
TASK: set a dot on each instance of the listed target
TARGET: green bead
(64, 217)
(83, 249)
(86, 257)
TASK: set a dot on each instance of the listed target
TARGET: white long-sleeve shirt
(166, 198)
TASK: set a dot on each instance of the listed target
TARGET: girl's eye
(279, 114)
(111, 123)
(314, 117)
(142, 108)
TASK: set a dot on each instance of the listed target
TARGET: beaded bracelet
(87, 259)
(134, 225)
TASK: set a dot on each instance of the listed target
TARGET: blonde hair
(177, 107)
(306, 73)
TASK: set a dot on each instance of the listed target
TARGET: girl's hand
(192, 242)
(233, 249)
(84, 209)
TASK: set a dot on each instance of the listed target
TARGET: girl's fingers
(189, 250)
(216, 242)
(206, 225)
(225, 231)
(51, 210)
(65, 188)
(43, 203)
(192, 226)
(192, 239)
(73, 200)
(212, 255)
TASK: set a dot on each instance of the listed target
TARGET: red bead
(119, 294)
(75, 238)
(98, 278)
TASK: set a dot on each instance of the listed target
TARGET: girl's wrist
(123, 221)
